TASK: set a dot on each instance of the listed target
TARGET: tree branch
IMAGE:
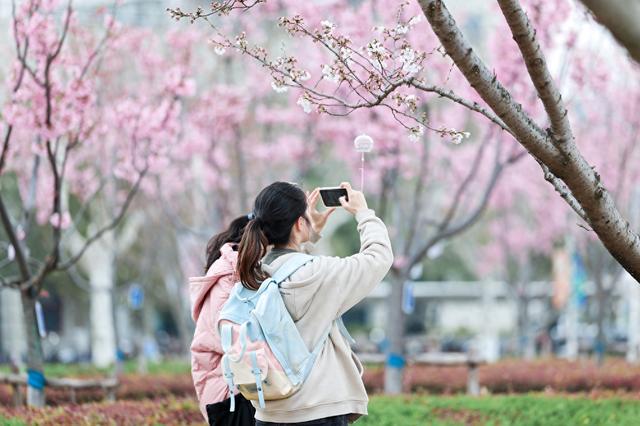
(15, 242)
(486, 83)
(568, 165)
(416, 209)
(113, 224)
(474, 106)
(621, 17)
(563, 191)
(447, 232)
(525, 37)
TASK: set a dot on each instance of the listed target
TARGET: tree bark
(555, 148)
(35, 356)
(621, 17)
(394, 368)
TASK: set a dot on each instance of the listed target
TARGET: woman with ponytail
(208, 294)
(283, 222)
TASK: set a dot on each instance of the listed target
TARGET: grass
(521, 410)
(176, 366)
(408, 410)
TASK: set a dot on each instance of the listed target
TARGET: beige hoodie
(316, 295)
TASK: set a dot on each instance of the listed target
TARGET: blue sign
(408, 299)
(578, 279)
(136, 296)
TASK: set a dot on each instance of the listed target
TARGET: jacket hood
(199, 287)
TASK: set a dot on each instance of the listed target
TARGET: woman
(315, 295)
(208, 294)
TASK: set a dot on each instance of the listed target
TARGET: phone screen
(331, 196)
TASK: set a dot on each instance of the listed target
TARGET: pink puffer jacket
(208, 294)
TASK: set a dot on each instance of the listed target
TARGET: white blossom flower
(345, 53)
(305, 76)
(408, 57)
(411, 101)
(219, 50)
(402, 29)
(411, 69)
(330, 74)
(456, 138)
(376, 48)
(466, 135)
(304, 102)
(415, 133)
(327, 27)
(279, 88)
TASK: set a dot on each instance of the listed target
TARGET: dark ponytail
(233, 234)
(275, 211)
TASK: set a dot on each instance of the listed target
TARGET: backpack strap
(226, 340)
(316, 350)
(344, 331)
(296, 262)
(255, 369)
(228, 377)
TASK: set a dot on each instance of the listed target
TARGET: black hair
(276, 210)
(233, 234)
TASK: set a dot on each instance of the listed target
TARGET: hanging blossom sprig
(219, 8)
(354, 76)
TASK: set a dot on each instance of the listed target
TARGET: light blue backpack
(264, 354)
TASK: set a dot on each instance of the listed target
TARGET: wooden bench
(19, 381)
(440, 359)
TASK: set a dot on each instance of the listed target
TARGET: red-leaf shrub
(167, 411)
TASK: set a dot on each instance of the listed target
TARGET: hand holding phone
(318, 218)
(355, 201)
(331, 196)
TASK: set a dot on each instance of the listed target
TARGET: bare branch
(487, 84)
(474, 106)
(562, 189)
(464, 185)
(65, 30)
(15, 242)
(534, 59)
(476, 213)
(416, 209)
(13, 283)
(112, 225)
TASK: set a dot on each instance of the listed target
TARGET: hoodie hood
(199, 287)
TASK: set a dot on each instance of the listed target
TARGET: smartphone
(331, 196)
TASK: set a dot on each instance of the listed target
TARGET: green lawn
(525, 410)
(177, 366)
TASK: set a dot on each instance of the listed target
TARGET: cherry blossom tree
(69, 134)
(373, 73)
(406, 169)
(598, 113)
(386, 70)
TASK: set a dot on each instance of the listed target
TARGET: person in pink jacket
(208, 294)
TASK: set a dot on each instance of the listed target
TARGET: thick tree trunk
(524, 329)
(621, 17)
(179, 311)
(13, 341)
(35, 355)
(554, 148)
(103, 335)
(394, 369)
